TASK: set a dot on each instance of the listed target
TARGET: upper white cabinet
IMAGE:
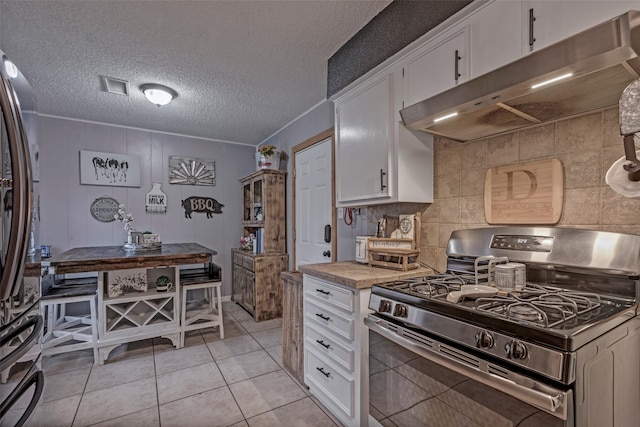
(494, 36)
(437, 66)
(545, 22)
(364, 131)
(377, 159)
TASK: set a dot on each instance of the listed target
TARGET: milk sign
(201, 204)
(156, 200)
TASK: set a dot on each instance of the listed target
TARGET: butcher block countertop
(359, 276)
(107, 258)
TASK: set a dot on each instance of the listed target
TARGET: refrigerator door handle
(16, 250)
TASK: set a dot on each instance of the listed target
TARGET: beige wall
(587, 146)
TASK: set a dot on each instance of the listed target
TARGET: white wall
(310, 124)
(64, 203)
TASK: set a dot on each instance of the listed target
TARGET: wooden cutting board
(524, 193)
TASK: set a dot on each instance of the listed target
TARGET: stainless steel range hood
(602, 61)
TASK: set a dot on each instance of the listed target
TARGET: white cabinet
(546, 22)
(363, 141)
(335, 368)
(437, 66)
(494, 36)
(377, 159)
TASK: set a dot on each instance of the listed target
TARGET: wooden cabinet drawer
(244, 260)
(338, 388)
(325, 346)
(247, 262)
(237, 258)
(328, 319)
(329, 293)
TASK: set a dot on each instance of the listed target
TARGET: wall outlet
(340, 213)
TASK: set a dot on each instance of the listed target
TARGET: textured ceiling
(242, 69)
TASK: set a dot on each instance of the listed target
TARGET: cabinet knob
(326, 253)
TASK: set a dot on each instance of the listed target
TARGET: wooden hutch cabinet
(256, 273)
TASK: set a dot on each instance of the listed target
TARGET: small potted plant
(163, 284)
(267, 159)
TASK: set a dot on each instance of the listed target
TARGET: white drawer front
(329, 293)
(327, 318)
(325, 346)
(337, 387)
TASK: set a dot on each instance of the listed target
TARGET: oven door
(417, 380)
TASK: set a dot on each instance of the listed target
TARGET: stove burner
(425, 289)
(525, 311)
(436, 286)
(544, 306)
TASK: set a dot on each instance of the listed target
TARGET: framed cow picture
(118, 170)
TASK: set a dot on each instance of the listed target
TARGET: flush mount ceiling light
(158, 94)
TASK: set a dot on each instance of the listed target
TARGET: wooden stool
(65, 333)
(200, 313)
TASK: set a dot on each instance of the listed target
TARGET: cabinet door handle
(322, 371)
(456, 72)
(323, 292)
(382, 174)
(320, 315)
(321, 342)
(532, 39)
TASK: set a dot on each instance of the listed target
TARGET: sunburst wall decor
(190, 171)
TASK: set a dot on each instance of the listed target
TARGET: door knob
(326, 253)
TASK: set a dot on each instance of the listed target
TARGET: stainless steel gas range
(561, 349)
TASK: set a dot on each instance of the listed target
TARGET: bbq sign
(524, 193)
(205, 205)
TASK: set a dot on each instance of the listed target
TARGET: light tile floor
(238, 381)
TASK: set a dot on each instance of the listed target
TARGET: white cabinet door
(494, 34)
(364, 131)
(436, 67)
(557, 20)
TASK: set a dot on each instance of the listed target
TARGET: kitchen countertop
(107, 258)
(359, 276)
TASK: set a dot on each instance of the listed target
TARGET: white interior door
(313, 203)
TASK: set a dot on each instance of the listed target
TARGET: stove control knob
(385, 306)
(484, 340)
(516, 350)
(400, 310)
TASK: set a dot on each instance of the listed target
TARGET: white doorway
(315, 234)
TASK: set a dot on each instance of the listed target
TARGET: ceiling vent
(117, 86)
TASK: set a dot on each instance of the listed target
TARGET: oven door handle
(533, 392)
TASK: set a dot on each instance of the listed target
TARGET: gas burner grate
(435, 286)
(543, 305)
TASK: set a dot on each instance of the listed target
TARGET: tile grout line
(225, 380)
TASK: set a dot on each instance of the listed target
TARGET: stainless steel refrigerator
(20, 324)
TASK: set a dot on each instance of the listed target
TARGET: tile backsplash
(587, 145)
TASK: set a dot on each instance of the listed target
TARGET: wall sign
(156, 200)
(104, 208)
(201, 204)
(524, 193)
(190, 171)
(119, 170)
